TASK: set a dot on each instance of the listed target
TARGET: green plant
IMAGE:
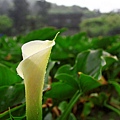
(102, 25)
(81, 82)
(5, 23)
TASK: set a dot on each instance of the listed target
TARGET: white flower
(32, 69)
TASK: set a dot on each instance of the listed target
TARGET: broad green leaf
(64, 69)
(42, 34)
(8, 77)
(11, 96)
(68, 47)
(15, 118)
(18, 110)
(60, 91)
(56, 54)
(87, 83)
(90, 62)
(115, 48)
(68, 79)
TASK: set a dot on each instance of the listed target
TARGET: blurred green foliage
(82, 79)
(5, 23)
(107, 24)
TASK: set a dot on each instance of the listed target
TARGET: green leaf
(15, 118)
(11, 96)
(56, 54)
(18, 110)
(62, 106)
(99, 99)
(87, 109)
(60, 91)
(87, 83)
(116, 86)
(8, 77)
(109, 59)
(64, 69)
(65, 74)
(72, 117)
(41, 34)
(90, 62)
(68, 79)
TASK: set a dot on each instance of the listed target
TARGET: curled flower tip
(56, 35)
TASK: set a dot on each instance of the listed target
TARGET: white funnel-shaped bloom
(32, 69)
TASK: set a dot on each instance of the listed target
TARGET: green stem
(12, 110)
(70, 105)
(112, 108)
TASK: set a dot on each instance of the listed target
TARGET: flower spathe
(32, 69)
(34, 51)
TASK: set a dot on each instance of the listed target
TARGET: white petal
(33, 47)
(35, 57)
